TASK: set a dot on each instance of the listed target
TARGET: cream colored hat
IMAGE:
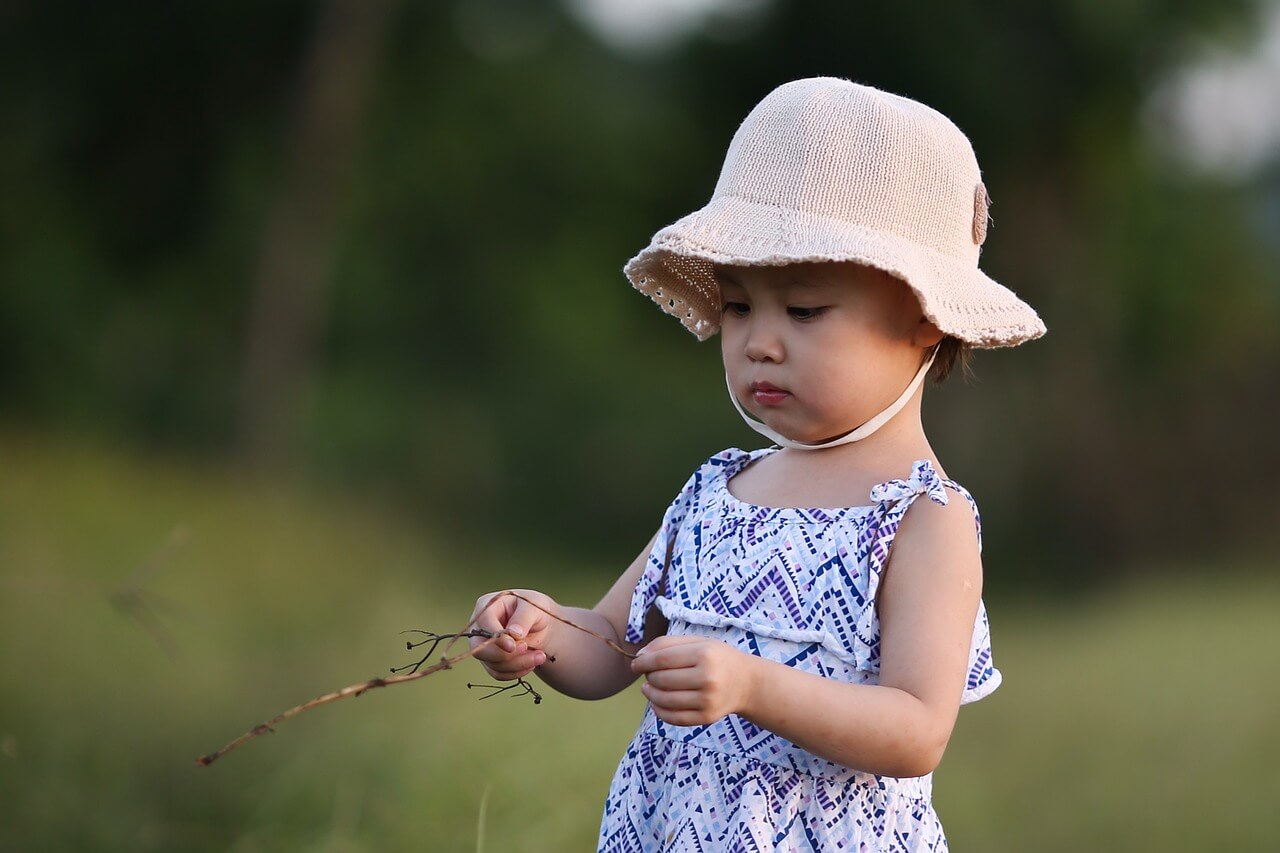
(828, 170)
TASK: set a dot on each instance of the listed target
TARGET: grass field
(1139, 717)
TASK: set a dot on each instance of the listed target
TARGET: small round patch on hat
(981, 205)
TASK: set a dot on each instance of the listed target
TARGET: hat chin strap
(860, 433)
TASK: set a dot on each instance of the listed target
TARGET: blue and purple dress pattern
(796, 586)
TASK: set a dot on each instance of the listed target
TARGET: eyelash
(803, 315)
(808, 313)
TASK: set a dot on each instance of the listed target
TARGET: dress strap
(895, 497)
(924, 480)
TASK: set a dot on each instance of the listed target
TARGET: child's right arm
(570, 661)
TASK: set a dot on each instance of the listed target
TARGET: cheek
(837, 377)
(834, 386)
(730, 347)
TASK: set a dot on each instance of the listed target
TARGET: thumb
(527, 618)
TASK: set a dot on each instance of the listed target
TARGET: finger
(503, 675)
(493, 652)
(500, 647)
(685, 678)
(674, 656)
(482, 603)
(684, 718)
(516, 666)
(492, 608)
(673, 700)
(492, 613)
(496, 649)
(527, 617)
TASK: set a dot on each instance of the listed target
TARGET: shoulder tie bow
(924, 480)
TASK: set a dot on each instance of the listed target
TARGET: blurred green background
(312, 328)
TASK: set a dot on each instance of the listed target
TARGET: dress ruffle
(674, 612)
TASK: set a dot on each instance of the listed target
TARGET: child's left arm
(928, 601)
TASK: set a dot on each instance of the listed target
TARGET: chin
(814, 436)
(802, 436)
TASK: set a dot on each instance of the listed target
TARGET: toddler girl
(808, 616)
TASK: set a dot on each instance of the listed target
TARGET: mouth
(768, 394)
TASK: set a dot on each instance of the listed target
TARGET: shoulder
(936, 520)
(948, 526)
(925, 486)
(733, 458)
(723, 465)
(932, 581)
(715, 470)
(937, 548)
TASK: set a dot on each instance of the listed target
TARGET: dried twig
(432, 642)
(352, 690)
(607, 641)
(522, 688)
(416, 671)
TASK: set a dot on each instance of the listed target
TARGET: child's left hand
(693, 681)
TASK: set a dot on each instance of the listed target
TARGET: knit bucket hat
(828, 170)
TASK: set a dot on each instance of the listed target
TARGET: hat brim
(676, 269)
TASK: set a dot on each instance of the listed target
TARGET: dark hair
(952, 353)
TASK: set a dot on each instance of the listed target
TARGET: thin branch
(352, 690)
(602, 638)
(522, 687)
(433, 640)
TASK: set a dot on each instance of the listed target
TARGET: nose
(763, 343)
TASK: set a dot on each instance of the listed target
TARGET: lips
(768, 394)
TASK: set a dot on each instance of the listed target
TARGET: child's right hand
(524, 627)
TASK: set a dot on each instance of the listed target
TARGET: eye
(736, 309)
(803, 314)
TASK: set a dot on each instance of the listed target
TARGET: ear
(926, 334)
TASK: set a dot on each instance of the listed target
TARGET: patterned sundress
(796, 586)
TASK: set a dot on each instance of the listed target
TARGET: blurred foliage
(1106, 734)
(479, 354)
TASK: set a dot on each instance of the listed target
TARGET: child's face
(815, 350)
